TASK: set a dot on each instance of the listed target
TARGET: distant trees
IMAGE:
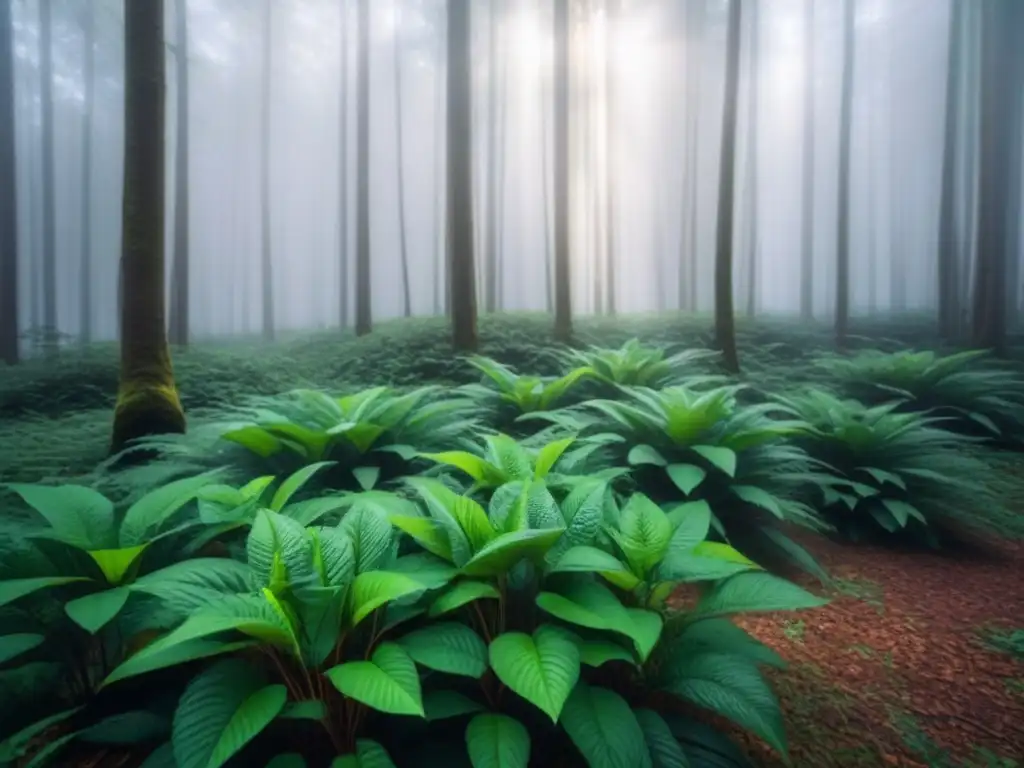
(948, 269)
(461, 268)
(49, 255)
(266, 253)
(364, 296)
(725, 330)
(88, 97)
(343, 265)
(8, 201)
(403, 244)
(842, 319)
(563, 286)
(179, 324)
(807, 219)
(147, 401)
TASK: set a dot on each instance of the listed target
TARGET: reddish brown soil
(900, 638)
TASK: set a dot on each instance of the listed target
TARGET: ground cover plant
(528, 586)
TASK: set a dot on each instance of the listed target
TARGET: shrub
(636, 365)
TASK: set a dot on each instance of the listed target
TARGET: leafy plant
(895, 473)
(636, 365)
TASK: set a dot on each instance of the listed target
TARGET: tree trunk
(147, 401)
(89, 88)
(49, 213)
(179, 322)
(343, 267)
(491, 233)
(563, 286)
(364, 296)
(807, 219)
(725, 331)
(688, 238)
(461, 272)
(545, 183)
(440, 233)
(266, 261)
(9, 201)
(949, 310)
(402, 234)
(611, 155)
(843, 233)
(752, 158)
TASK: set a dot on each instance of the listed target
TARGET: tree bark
(611, 155)
(364, 295)
(403, 244)
(842, 319)
(49, 266)
(752, 169)
(147, 401)
(461, 272)
(563, 285)
(89, 89)
(179, 322)
(266, 260)
(807, 219)
(725, 331)
(949, 310)
(491, 230)
(440, 231)
(343, 267)
(9, 201)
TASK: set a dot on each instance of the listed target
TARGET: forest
(511, 383)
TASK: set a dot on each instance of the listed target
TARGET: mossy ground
(55, 423)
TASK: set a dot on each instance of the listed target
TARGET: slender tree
(949, 310)
(147, 400)
(179, 322)
(611, 153)
(725, 330)
(364, 297)
(491, 214)
(266, 253)
(49, 265)
(461, 272)
(343, 265)
(807, 219)
(403, 245)
(440, 233)
(8, 202)
(563, 286)
(752, 158)
(689, 267)
(88, 90)
(842, 319)
(545, 201)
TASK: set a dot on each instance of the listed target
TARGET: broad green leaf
(294, 482)
(645, 629)
(476, 467)
(597, 653)
(388, 682)
(507, 549)
(161, 655)
(367, 477)
(686, 477)
(692, 520)
(372, 535)
(542, 669)
(372, 589)
(369, 754)
(444, 704)
(584, 559)
(604, 729)
(14, 589)
(132, 727)
(447, 647)
(759, 497)
(662, 745)
(586, 603)
(427, 532)
(718, 456)
(755, 591)
(645, 454)
(145, 517)
(95, 611)
(221, 711)
(644, 532)
(903, 511)
(882, 476)
(79, 516)
(462, 593)
(549, 455)
(255, 439)
(115, 563)
(497, 741)
(254, 488)
(12, 646)
(310, 709)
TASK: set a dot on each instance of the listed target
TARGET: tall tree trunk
(1015, 199)
(49, 214)
(1000, 94)
(611, 154)
(179, 322)
(688, 268)
(266, 261)
(563, 285)
(503, 150)
(440, 230)
(461, 272)
(403, 244)
(725, 331)
(949, 310)
(89, 88)
(343, 266)
(147, 401)
(752, 157)
(9, 201)
(545, 184)
(364, 295)
(845, 184)
(491, 232)
(807, 219)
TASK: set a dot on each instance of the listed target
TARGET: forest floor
(900, 669)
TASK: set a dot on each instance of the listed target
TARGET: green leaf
(718, 456)
(224, 708)
(443, 704)
(645, 454)
(644, 532)
(12, 646)
(388, 682)
(692, 520)
(17, 744)
(645, 629)
(14, 589)
(372, 589)
(755, 591)
(759, 497)
(497, 741)
(160, 655)
(597, 653)
(903, 511)
(427, 532)
(146, 516)
(476, 467)
(604, 729)
(79, 516)
(372, 535)
(369, 754)
(310, 709)
(462, 593)
(584, 559)
(506, 550)
(882, 476)
(549, 455)
(367, 477)
(662, 745)
(447, 647)
(116, 563)
(288, 760)
(686, 477)
(294, 482)
(255, 439)
(95, 611)
(542, 669)
(132, 727)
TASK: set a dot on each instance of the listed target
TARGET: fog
(646, 96)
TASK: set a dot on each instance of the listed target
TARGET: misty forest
(511, 383)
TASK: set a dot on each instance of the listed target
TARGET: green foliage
(896, 474)
(635, 365)
(980, 395)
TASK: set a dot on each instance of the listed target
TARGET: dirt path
(896, 662)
